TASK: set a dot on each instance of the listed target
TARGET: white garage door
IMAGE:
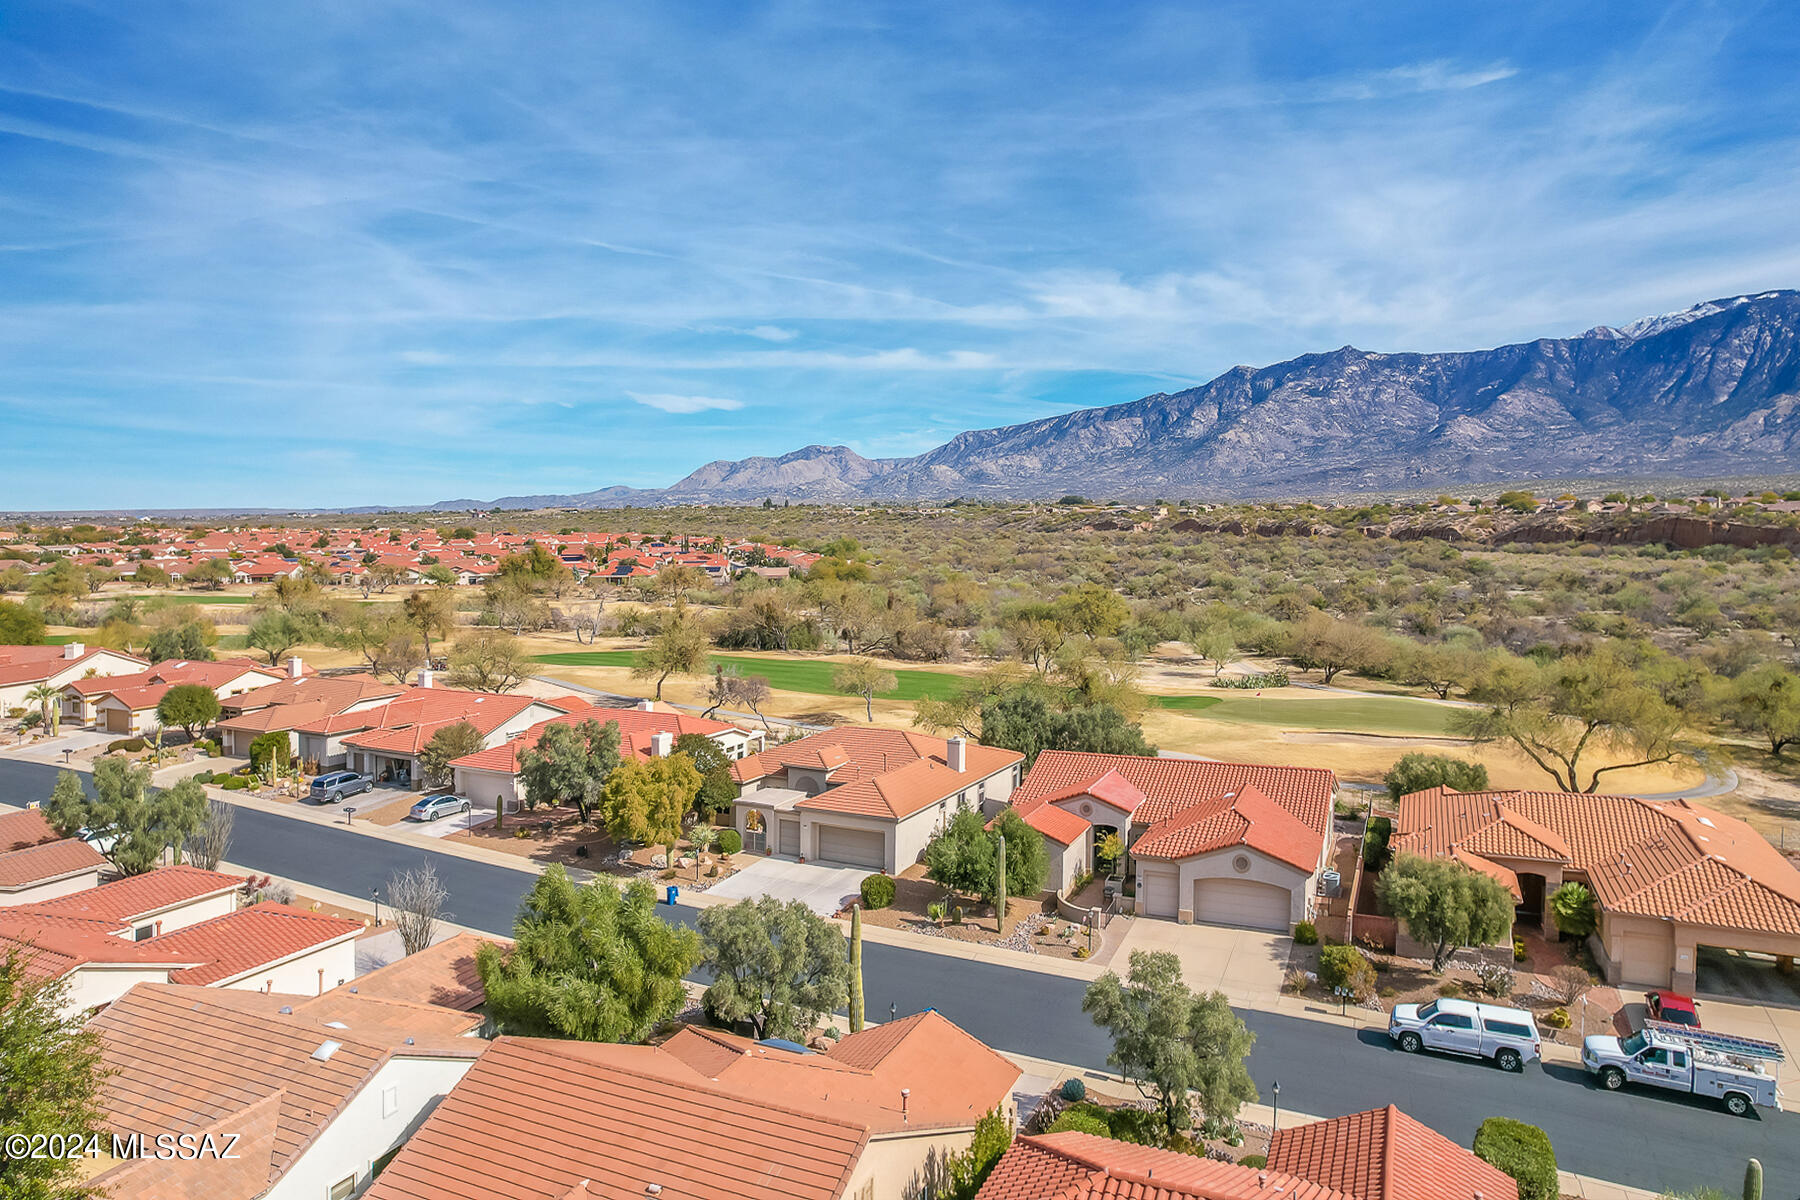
(1242, 902)
(1160, 889)
(859, 847)
(788, 838)
(1646, 959)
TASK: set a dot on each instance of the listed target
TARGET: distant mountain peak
(1682, 394)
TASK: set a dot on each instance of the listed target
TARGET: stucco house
(647, 731)
(865, 796)
(37, 863)
(126, 704)
(1217, 842)
(1672, 878)
(24, 668)
(302, 702)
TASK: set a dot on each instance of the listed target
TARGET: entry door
(788, 838)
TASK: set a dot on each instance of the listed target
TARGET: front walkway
(824, 889)
(1245, 964)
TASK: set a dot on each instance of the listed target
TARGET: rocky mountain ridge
(1713, 390)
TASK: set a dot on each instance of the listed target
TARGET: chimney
(956, 753)
(73, 650)
(295, 668)
(424, 679)
(662, 744)
(646, 705)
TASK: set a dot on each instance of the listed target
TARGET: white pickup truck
(1509, 1036)
(1683, 1059)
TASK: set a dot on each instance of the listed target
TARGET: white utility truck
(1736, 1071)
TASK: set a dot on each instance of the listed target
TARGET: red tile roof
(1383, 1154)
(54, 946)
(43, 862)
(23, 828)
(1058, 824)
(30, 664)
(1243, 818)
(443, 974)
(877, 772)
(635, 729)
(536, 1120)
(232, 945)
(407, 722)
(1081, 1166)
(184, 1059)
(138, 895)
(1659, 858)
(1193, 806)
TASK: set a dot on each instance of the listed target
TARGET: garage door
(1160, 888)
(859, 847)
(1242, 902)
(118, 721)
(787, 839)
(1646, 959)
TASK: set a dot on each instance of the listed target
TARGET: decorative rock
(659, 860)
(684, 861)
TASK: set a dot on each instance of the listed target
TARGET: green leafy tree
(960, 857)
(1093, 609)
(142, 823)
(1765, 702)
(1170, 1042)
(717, 789)
(20, 624)
(679, 648)
(50, 1075)
(429, 614)
(188, 706)
(277, 631)
(866, 678)
(489, 660)
(1027, 860)
(1573, 910)
(213, 574)
(779, 966)
(190, 641)
(49, 702)
(1422, 772)
(645, 801)
(965, 1171)
(595, 963)
(1444, 904)
(570, 765)
(1024, 719)
(446, 746)
(1521, 1151)
(274, 749)
(1559, 716)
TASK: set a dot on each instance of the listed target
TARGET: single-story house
(870, 1118)
(24, 668)
(126, 704)
(384, 741)
(492, 774)
(865, 796)
(302, 702)
(314, 1093)
(1216, 842)
(37, 863)
(1669, 876)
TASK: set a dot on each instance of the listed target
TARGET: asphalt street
(1654, 1140)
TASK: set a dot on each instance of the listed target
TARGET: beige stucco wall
(92, 986)
(1219, 865)
(306, 974)
(1636, 951)
(79, 882)
(194, 912)
(483, 786)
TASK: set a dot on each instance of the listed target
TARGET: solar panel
(1723, 1043)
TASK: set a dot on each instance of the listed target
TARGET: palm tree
(49, 702)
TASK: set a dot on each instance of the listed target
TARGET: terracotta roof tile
(533, 1120)
(26, 827)
(442, 974)
(139, 895)
(1383, 1154)
(1173, 785)
(21, 869)
(635, 728)
(1242, 818)
(877, 772)
(238, 942)
(1081, 1166)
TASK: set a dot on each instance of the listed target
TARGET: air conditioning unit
(1329, 882)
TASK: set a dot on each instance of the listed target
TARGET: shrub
(877, 891)
(1080, 1122)
(128, 745)
(1572, 909)
(1557, 1018)
(1495, 979)
(1345, 966)
(1375, 843)
(236, 783)
(1568, 982)
(203, 777)
(1522, 1151)
(1267, 679)
(1074, 1090)
(1306, 933)
(1136, 1125)
(935, 910)
(1256, 1161)
(1295, 980)
(730, 841)
(1450, 989)
(1519, 954)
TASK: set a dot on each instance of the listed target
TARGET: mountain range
(1710, 391)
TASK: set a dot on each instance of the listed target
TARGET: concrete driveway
(1245, 964)
(824, 889)
(50, 750)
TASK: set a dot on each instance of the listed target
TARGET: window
(1453, 1021)
(1655, 1058)
(143, 932)
(1678, 1059)
(343, 1189)
(1507, 1028)
(981, 793)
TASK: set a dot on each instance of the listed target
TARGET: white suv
(1509, 1036)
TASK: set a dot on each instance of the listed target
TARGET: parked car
(1673, 1007)
(1509, 1036)
(1732, 1070)
(441, 805)
(333, 786)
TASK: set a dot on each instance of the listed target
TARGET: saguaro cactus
(856, 988)
(1753, 1180)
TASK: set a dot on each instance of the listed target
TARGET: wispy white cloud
(669, 403)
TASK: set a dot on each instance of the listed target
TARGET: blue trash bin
(674, 891)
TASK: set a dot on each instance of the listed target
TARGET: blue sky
(342, 253)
